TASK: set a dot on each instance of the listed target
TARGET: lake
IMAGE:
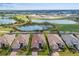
(34, 27)
(7, 21)
(55, 21)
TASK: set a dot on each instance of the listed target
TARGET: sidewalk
(13, 53)
(34, 53)
(55, 54)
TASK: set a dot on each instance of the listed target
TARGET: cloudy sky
(38, 6)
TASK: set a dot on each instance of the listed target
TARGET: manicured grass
(44, 52)
(22, 51)
(68, 53)
(46, 47)
(5, 29)
(4, 52)
(26, 50)
(68, 27)
(1, 34)
(29, 46)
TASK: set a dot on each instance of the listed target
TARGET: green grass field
(4, 52)
(68, 27)
(45, 52)
(22, 51)
(68, 53)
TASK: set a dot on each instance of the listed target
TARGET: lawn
(29, 46)
(4, 52)
(22, 51)
(6, 29)
(68, 53)
(68, 27)
(45, 52)
(26, 50)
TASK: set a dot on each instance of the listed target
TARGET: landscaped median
(29, 45)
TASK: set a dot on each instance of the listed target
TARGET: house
(58, 41)
(20, 41)
(37, 42)
(6, 39)
(71, 41)
(3, 42)
(9, 38)
(55, 42)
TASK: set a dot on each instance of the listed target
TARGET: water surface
(7, 21)
(34, 27)
(55, 21)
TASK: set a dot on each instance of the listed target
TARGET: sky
(38, 6)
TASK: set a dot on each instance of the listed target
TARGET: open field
(68, 27)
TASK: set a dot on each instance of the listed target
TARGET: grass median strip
(29, 46)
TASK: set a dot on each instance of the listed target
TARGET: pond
(34, 27)
(7, 21)
(55, 21)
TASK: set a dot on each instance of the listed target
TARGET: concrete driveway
(34, 53)
(55, 54)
